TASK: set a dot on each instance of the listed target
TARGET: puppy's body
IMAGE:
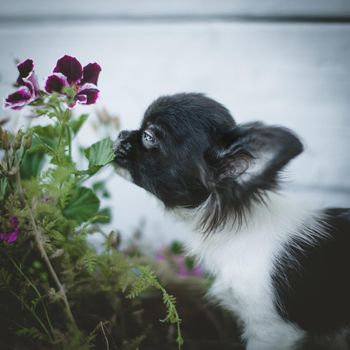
(245, 261)
(279, 266)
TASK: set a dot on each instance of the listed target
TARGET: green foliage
(3, 187)
(146, 279)
(76, 124)
(88, 261)
(104, 216)
(99, 154)
(100, 188)
(177, 247)
(82, 206)
(56, 291)
(32, 333)
(134, 343)
(32, 164)
(5, 279)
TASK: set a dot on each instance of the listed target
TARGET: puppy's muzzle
(122, 146)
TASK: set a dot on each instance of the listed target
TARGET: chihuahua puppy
(281, 267)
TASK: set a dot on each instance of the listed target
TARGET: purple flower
(28, 90)
(70, 73)
(184, 270)
(11, 236)
(184, 266)
(27, 76)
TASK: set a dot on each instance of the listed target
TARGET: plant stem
(37, 293)
(34, 315)
(39, 242)
(7, 159)
(60, 137)
(69, 137)
(61, 122)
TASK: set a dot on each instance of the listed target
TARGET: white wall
(289, 73)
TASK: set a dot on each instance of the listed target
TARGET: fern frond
(134, 343)
(146, 278)
(32, 333)
(88, 261)
(55, 235)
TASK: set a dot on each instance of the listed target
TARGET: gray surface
(178, 7)
(297, 75)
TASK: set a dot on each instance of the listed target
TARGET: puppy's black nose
(122, 145)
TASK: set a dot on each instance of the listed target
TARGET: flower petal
(55, 82)
(9, 237)
(25, 68)
(81, 98)
(19, 98)
(70, 67)
(32, 83)
(27, 76)
(12, 237)
(87, 94)
(91, 73)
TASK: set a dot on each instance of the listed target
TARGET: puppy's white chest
(242, 260)
(242, 264)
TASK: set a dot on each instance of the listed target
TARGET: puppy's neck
(279, 212)
(268, 226)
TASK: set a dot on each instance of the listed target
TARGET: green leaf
(3, 186)
(35, 157)
(104, 216)
(190, 262)
(177, 248)
(32, 164)
(100, 153)
(101, 189)
(82, 206)
(41, 149)
(47, 134)
(76, 124)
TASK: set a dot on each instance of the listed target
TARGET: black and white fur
(282, 268)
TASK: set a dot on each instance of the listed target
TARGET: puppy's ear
(252, 155)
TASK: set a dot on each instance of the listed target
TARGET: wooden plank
(224, 8)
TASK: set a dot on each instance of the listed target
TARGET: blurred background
(282, 62)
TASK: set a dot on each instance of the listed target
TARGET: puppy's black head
(190, 153)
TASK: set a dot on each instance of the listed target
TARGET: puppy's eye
(148, 139)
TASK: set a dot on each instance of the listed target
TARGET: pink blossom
(11, 236)
(184, 266)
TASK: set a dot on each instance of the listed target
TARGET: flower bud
(28, 141)
(18, 140)
(58, 253)
(5, 140)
